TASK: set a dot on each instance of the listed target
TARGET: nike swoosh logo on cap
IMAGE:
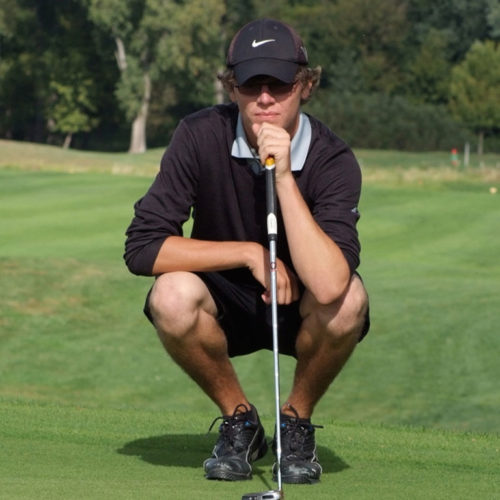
(255, 43)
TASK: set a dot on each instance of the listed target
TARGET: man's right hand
(186, 254)
(286, 280)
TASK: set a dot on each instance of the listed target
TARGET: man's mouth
(266, 115)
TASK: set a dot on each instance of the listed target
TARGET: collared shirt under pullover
(226, 197)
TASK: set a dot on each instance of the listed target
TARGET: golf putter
(272, 232)
(265, 495)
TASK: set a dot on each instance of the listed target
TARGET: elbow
(134, 268)
(332, 284)
(329, 295)
(140, 257)
(137, 266)
(329, 291)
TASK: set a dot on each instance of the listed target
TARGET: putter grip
(272, 221)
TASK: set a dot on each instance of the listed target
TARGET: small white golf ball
(493, 190)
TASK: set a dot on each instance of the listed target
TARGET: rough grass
(90, 406)
(73, 330)
(378, 166)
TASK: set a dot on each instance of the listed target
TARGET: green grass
(51, 451)
(30, 156)
(430, 261)
(90, 406)
(387, 166)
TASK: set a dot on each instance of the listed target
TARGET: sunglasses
(277, 88)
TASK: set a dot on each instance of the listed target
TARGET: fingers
(273, 141)
(287, 287)
(287, 283)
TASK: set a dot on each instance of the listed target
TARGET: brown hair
(304, 75)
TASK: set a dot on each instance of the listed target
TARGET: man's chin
(272, 119)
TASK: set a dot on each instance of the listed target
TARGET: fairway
(91, 407)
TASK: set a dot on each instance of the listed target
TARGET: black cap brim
(282, 70)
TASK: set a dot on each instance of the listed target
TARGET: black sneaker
(241, 441)
(299, 462)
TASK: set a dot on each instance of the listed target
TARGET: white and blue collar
(299, 148)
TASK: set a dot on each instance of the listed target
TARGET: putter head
(265, 495)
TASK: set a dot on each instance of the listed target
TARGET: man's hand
(187, 254)
(286, 280)
(273, 141)
(317, 259)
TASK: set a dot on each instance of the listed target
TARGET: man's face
(267, 99)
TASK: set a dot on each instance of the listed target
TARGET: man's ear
(232, 95)
(306, 91)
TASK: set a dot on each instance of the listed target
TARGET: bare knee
(342, 320)
(353, 310)
(176, 300)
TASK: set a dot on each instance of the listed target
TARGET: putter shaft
(272, 231)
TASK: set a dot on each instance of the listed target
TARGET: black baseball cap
(266, 47)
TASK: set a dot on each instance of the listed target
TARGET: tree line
(115, 74)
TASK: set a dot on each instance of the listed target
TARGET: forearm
(185, 254)
(319, 262)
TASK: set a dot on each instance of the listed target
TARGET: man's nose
(265, 93)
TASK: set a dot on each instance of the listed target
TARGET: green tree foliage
(357, 42)
(94, 70)
(440, 33)
(493, 18)
(381, 121)
(428, 74)
(72, 109)
(10, 16)
(159, 42)
(461, 21)
(50, 70)
(22, 72)
(475, 89)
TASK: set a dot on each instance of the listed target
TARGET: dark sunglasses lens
(275, 87)
(281, 88)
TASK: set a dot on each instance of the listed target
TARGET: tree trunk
(138, 134)
(480, 143)
(67, 141)
(120, 54)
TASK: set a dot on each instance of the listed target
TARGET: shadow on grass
(190, 450)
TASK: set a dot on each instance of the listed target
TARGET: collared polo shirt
(299, 147)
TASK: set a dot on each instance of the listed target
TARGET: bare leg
(184, 314)
(328, 336)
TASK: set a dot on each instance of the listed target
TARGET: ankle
(237, 407)
(293, 411)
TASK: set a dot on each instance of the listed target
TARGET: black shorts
(246, 319)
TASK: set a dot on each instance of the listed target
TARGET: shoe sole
(301, 479)
(297, 478)
(226, 475)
